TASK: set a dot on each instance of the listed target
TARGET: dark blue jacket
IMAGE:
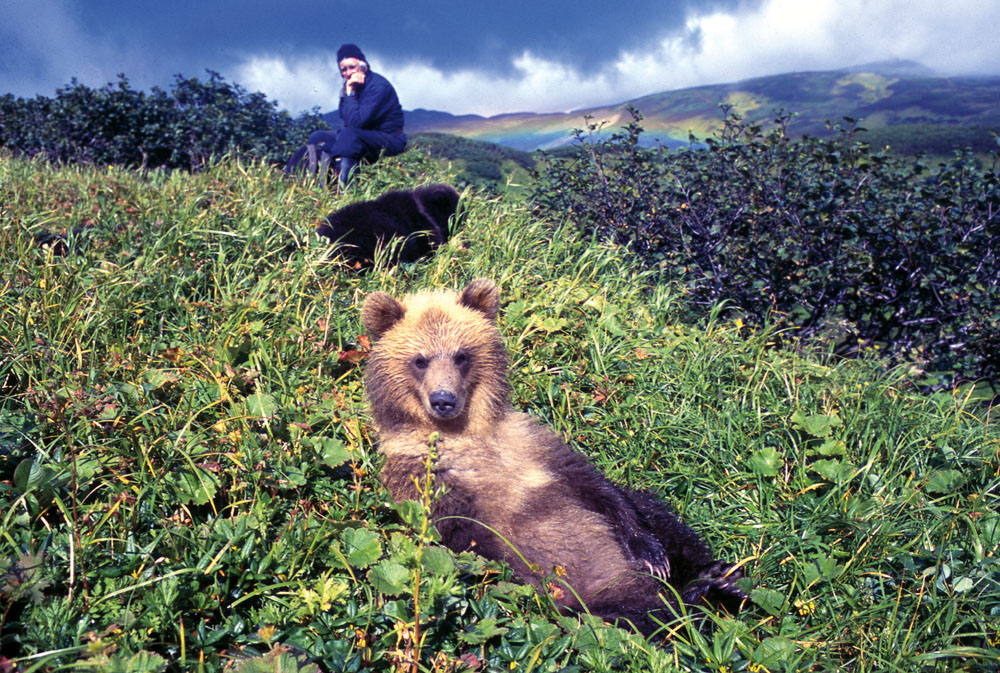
(373, 107)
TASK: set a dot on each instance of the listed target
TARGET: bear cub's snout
(441, 378)
(444, 403)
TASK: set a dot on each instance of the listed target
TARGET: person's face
(348, 67)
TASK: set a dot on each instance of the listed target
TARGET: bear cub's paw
(717, 586)
(649, 552)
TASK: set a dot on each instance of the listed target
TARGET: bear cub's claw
(717, 586)
(648, 551)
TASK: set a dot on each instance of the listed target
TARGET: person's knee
(395, 145)
(350, 143)
(320, 137)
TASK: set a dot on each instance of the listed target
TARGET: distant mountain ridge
(887, 95)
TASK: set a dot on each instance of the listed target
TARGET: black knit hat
(350, 51)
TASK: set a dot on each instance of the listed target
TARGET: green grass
(188, 478)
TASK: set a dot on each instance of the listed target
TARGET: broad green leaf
(196, 488)
(766, 462)
(14, 428)
(773, 602)
(548, 325)
(944, 482)
(989, 529)
(821, 568)
(410, 511)
(281, 659)
(389, 577)
(361, 546)
(437, 561)
(333, 452)
(294, 475)
(832, 447)
(772, 653)
(157, 378)
(27, 475)
(145, 662)
(262, 405)
(837, 471)
(479, 632)
(963, 584)
(817, 425)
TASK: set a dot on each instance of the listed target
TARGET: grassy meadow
(188, 477)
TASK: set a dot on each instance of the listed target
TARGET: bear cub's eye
(420, 362)
(460, 359)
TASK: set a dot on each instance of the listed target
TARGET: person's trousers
(353, 145)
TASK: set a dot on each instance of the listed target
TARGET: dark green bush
(443, 145)
(185, 128)
(485, 165)
(860, 248)
(932, 139)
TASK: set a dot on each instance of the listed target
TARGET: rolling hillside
(889, 98)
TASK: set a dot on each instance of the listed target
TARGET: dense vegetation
(474, 162)
(195, 121)
(188, 480)
(121, 126)
(938, 140)
(860, 249)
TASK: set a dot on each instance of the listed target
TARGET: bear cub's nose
(443, 402)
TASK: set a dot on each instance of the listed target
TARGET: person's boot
(347, 166)
(324, 166)
(311, 154)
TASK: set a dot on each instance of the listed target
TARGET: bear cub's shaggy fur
(438, 365)
(420, 217)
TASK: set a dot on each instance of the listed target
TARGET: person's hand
(355, 81)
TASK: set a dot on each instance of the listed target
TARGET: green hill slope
(894, 96)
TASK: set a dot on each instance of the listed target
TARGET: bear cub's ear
(380, 313)
(482, 295)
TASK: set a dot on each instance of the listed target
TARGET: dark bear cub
(508, 487)
(419, 218)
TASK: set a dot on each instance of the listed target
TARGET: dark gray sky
(484, 57)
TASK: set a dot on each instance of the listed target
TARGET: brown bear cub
(510, 489)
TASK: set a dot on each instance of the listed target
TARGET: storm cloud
(483, 58)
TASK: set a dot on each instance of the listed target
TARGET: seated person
(370, 114)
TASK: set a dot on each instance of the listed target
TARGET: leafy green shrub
(824, 235)
(442, 145)
(185, 128)
(483, 165)
(932, 139)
